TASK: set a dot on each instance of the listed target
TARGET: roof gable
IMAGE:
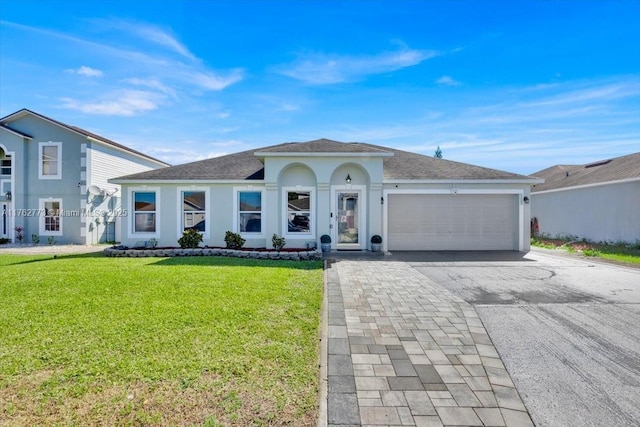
(566, 176)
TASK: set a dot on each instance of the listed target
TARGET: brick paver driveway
(413, 339)
(403, 350)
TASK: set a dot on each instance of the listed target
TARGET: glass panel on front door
(4, 221)
(348, 224)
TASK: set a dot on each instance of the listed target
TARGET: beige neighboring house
(347, 190)
(599, 201)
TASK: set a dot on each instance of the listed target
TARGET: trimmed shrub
(191, 238)
(233, 240)
(278, 242)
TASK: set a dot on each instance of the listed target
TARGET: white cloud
(117, 103)
(150, 33)
(152, 83)
(86, 71)
(212, 81)
(447, 81)
(604, 92)
(163, 38)
(319, 69)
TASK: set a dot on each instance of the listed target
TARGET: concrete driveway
(567, 329)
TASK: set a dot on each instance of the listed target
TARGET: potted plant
(376, 243)
(325, 243)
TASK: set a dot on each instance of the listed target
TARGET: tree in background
(438, 153)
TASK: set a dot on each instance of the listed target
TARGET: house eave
(528, 181)
(15, 132)
(595, 184)
(300, 154)
(186, 181)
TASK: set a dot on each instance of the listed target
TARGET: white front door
(348, 218)
(4, 220)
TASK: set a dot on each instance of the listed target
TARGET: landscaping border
(303, 255)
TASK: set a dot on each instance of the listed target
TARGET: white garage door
(452, 222)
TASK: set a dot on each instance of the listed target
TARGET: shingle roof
(397, 164)
(324, 146)
(237, 166)
(76, 129)
(565, 176)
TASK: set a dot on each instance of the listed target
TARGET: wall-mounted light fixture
(526, 200)
(8, 195)
(348, 180)
(382, 200)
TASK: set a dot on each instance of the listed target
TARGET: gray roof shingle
(401, 165)
(565, 176)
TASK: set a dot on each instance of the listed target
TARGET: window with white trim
(194, 212)
(144, 211)
(51, 217)
(50, 160)
(249, 211)
(298, 211)
(5, 165)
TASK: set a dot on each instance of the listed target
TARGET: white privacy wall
(608, 212)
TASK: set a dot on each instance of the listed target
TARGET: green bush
(233, 240)
(278, 242)
(191, 238)
(591, 252)
(376, 239)
(325, 238)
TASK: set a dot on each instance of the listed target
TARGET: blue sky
(516, 85)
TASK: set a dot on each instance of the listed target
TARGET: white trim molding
(363, 215)
(131, 230)
(207, 209)
(42, 227)
(41, 146)
(236, 211)
(311, 234)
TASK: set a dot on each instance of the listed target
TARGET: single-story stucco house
(598, 201)
(349, 191)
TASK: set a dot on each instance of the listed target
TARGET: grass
(618, 252)
(88, 340)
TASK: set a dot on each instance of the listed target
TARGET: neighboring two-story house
(54, 181)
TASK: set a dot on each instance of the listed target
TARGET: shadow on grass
(20, 258)
(218, 261)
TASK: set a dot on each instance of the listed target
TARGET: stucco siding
(603, 213)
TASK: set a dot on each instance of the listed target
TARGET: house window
(194, 211)
(51, 217)
(5, 166)
(144, 211)
(50, 160)
(250, 211)
(298, 212)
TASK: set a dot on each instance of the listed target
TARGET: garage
(452, 222)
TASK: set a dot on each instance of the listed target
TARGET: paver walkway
(403, 351)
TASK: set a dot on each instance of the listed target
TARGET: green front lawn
(88, 340)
